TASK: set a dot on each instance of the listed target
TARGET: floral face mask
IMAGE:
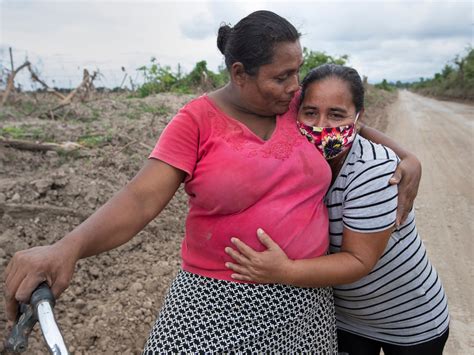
(330, 141)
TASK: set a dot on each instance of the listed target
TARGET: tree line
(158, 78)
(454, 81)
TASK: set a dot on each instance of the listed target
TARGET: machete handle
(42, 293)
(17, 341)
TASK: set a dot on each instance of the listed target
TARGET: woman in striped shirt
(387, 294)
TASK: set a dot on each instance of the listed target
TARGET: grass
(26, 107)
(13, 132)
(161, 110)
(22, 132)
(94, 140)
(4, 115)
(94, 114)
(136, 111)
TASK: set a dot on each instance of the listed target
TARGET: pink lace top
(238, 182)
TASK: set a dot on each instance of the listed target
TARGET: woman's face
(327, 103)
(271, 90)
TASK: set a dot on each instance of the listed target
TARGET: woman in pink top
(242, 161)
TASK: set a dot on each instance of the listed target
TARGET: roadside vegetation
(454, 81)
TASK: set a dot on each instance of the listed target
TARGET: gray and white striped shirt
(402, 300)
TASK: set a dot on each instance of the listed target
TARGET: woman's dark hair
(346, 74)
(252, 40)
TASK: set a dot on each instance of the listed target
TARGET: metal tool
(40, 309)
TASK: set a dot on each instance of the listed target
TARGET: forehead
(331, 91)
(286, 56)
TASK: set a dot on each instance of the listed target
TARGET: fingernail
(227, 264)
(233, 240)
(260, 231)
(227, 250)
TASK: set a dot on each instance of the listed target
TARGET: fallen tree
(42, 147)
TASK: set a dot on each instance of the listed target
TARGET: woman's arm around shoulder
(407, 175)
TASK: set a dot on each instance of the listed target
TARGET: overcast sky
(396, 40)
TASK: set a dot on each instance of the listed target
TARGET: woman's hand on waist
(269, 266)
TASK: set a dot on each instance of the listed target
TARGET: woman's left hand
(407, 176)
(269, 266)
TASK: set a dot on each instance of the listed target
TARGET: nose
(323, 120)
(294, 84)
(320, 120)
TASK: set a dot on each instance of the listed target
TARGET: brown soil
(114, 298)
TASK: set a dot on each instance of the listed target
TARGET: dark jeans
(357, 345)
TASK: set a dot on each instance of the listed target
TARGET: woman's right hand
(28, 268)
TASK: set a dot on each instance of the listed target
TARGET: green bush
(163, 79)
(157, 79)
(385, 85)
(314, 59)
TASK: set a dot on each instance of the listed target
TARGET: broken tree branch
(144, 145)
(11, 59)
(11, 82)
(41, 147)
(123, 80)
(35, 77)
(124, 147)
(29, 210)
(87, 84)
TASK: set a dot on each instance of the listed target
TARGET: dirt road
(440, 133)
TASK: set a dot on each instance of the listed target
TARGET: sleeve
(370, 202)
(178, 144)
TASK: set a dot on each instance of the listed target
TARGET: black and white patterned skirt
(204, 315)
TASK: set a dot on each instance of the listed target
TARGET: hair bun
(223, 36)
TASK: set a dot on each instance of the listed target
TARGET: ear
(360, 119)
(238, 74)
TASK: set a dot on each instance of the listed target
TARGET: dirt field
(114, 298)
(440, 133)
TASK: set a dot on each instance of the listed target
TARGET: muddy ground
(114, 298)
